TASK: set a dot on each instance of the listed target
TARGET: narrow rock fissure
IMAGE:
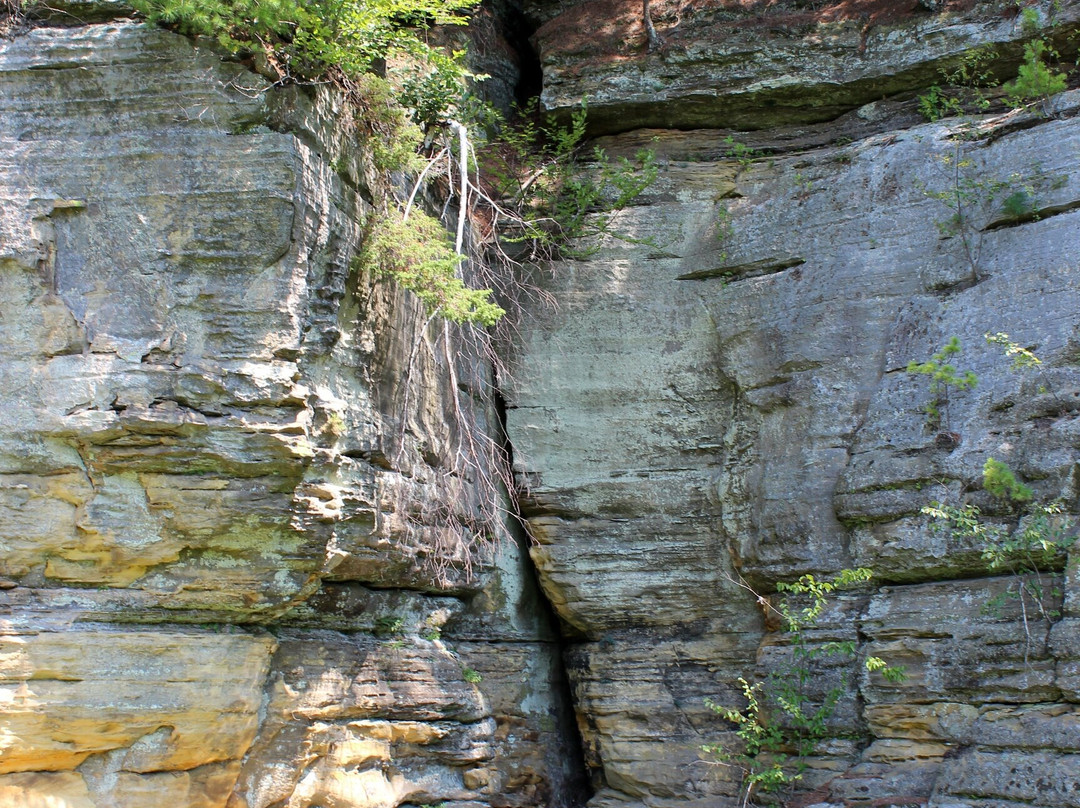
(577, 784)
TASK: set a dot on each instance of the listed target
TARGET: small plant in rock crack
(1036, 79)
(554, 197)
(739, 152)
(781, 724)
(970, 199)
(1032, 542)
(725, 229)
(963, 88)
(944, 377)
(1030, 539)
(389, 626)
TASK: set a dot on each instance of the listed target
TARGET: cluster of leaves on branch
(781, 723)
(944, 377)
(418, 254)
(970, 84)
(554, 197)
(334, 38)
(1034, 546)
(1033, 537)
(539, 194)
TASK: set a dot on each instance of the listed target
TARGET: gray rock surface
(757, 65)
(237, 571)
(731, 404)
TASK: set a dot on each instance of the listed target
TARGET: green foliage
(740, 152)
(964, 195)
(335, 424)
(761, 758)
(347, 38)
(780, 724)
(943, 377)
(389, 625)
(963, 88)
(935, 104)
(386, 130)
(1035, 81)
(471, 676)
(1037, 546)
(559, 197)
(999, 480)
(418, 255)
(1039, 540)
(1018, 204)
(407, 113)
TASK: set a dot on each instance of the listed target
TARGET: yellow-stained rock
(176, 699)
(921, 722)
(899, 751)
(44, 790)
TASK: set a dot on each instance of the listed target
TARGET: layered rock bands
(242, 566)
(244, 550)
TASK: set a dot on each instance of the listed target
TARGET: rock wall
(242, 566)
(722, 402)
(242, 561)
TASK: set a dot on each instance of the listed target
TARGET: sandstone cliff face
(231, 545)
(237, 570)
(729, 404)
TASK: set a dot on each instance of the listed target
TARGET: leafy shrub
(780, 720)
(1035, 80)
(1021, 357)
(416, 252)
(471, 676)
(556, 196)
(1035, 547)
(999, 480)
(943, 377)
(963, 88)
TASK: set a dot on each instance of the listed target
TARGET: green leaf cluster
(562, 196)
(963, 88)
(781, 724)
(999, 480)
(943, 377)
(739, 152)
(327, 38)
(417, 253)
(1036, 546)
(1035, 81)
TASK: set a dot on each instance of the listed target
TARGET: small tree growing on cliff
(944, 377)
(781, 724)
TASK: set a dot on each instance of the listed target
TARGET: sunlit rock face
(240, 566)
(243, 566)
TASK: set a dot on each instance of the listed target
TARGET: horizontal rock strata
(727, 405)
(240, 565)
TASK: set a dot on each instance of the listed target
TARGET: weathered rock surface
(759, 64)
(731, 404)
(204, 430)
(240, 563)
